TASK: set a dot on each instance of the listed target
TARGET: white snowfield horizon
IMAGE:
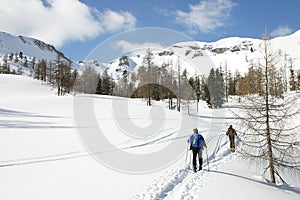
(43, 155)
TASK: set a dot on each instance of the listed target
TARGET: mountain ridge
(233, 53)
(29, 46)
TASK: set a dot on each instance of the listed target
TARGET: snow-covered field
(44, 153)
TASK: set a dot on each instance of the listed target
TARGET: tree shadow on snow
(14, 113)
(270, 184)
(11, 120)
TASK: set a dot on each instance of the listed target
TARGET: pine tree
(99, 86)
(220, 89)
(215, 83)
(206, 94)
(298, 81)
(16, 58)
(265, 134)
(10, 57)
(106, 84)
(25, 62)
(292, 80)
(21, 55)
(231, 84)
(6, 66)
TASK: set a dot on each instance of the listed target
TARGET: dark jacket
(231, 132)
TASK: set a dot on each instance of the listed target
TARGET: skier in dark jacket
(231, 133)
(197, 143)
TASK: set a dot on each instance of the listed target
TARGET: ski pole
(207, 159)
(186, 154)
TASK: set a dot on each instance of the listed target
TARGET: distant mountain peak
(236, 53)
(29, 46)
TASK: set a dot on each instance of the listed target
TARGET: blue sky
(77, 27)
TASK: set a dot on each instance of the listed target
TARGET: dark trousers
(232, 145)
(197, 152)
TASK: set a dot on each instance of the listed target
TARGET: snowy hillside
(21, 54)
(28, 46)
(44, 156)
(234, 53)
(80, 66)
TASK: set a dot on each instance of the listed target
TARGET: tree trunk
(149, 94)
(268, 134)
(178, 97)
(269, 142)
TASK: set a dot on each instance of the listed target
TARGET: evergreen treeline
(19, 60)
(155, 82)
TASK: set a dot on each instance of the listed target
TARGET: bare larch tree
(268, 123)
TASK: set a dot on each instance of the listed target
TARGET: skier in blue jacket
(197, 143)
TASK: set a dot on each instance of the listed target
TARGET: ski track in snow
(78, 154)
(42, 159)
(182, 183)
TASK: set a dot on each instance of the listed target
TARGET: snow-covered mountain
(10, 44)
(82, 64)
(22, 53)
(234, 53)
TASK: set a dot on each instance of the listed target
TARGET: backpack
(196, 140)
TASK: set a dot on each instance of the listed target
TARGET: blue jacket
(196, 140)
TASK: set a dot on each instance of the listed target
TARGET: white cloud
(281, 31)
(137, 48)
(60, 21)
(113, 21)
(206, 16)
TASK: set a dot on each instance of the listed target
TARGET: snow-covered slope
(28, 46)
(234, 53)
(81, 65)
(42, 156)
(23, 53)
(21, 87)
